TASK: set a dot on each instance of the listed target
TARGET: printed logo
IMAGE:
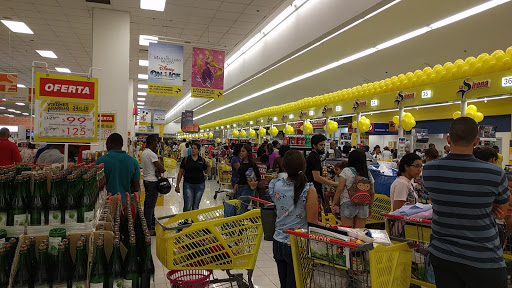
(467, 86)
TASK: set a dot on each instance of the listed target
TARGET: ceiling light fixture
(62, 70)
(2, 108)
(11, 110)
(46, 53)
(143, 76)
(142, 86)
(140, 103)
(279, 18)
(467, 13)
(20, 85)
(144, 40)
(20, 104)
(403, 37)
(155, 5)
(143, 63)
(142, 93)
(17, 27)
(26, 114)
(141, 99)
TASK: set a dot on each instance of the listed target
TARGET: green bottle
(116, 267)
(61, 273)
(23, 276)
(4, 273)
(3, 236)
(80, 269)
(33, 251)
(68, 259)
(13, 244)
(54, 207)
(131, 266)
(36, 207)
(55, 238)
(4, 206)
(18, 211)
(147, 277)
(31, 256)
(71, 215)
(42, 277)
(98, 277)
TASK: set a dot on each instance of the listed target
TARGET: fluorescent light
(20, 104)
(2, 108)
(298, 3)
(26, 114)
(140, 106)
(204, 104)
(404, 37)
(17, 27)
(234, 57)
(141, 99)
(62, 70)
(140, 103)
(467, 13)
(280, 18)
(251, 42)
(142, 86)
(142, 93)
(12, 116)
(21, 86)
(356, 56)
(17, 112)
(143, 63)
(143, 76)
(46, 53)
(144, 40)
(11, 110)
(155, 5)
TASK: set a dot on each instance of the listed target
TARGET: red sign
(51, 87)
(296, 125)
(317, 123)
(8, 83)
(392, 127)
(106, 118)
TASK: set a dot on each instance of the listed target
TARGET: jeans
(151, 190)
(353, 210)
(192, 194)
(284, 261)
(244, 190)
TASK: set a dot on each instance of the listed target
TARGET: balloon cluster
(408, 121)
(243, 134)
(364, 124)
(252, 133)
(211, 135)
(308, 128)
(289, 130)
(235, 133)
(262, 132)
(217, 140)
(274, 131)
(471, 112)
(331, 127)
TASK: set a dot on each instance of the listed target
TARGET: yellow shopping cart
(381, 204)
(224, 180)
(205, 239)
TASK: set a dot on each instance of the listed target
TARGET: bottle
(116, 266)
(8, 260)
(70, 215)
(86, 211)
(130, 266)
(31, 255)
(147, 277)
(23, 275)
(67, 255)
(13, 244)
(36, 207)
(80, 269)
(98, 278)
(41, 276)
(54, 207)
(4, 273)
(4, 207)
(18, 211)
(61, 273)
(3, 236)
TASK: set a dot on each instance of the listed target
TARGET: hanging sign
(207, 73)
(318, 123)
(165, 69)
(158, 118)
(24, 95)
(8, 83)
(65, 108)
(144, 118)
(108, 124)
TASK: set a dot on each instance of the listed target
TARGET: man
(446, 150)
(29, 155)
(467, 196)
(386, 154)
(263, 149)
(336, 152)
(500, 156)
(151, 170)
(10, 154)
(431, 145)
(314, 164)
(183, 149)
(55, 154)
(121, 170)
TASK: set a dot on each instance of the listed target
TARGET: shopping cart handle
(260, 200)
(366, 246)
(406, 218)
(157, 220)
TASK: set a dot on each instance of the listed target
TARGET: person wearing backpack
(354, 197)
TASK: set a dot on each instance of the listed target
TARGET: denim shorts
(352, 210)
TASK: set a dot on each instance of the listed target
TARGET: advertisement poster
(165, 69)
(24, 95)
(187, 119)
(144, 117)
(158, 117)
(8, 83)
(207, 73)
(107, 124)
(65, 108)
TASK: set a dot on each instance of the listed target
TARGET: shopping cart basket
(367, 266)
(416, 232)
(224, 180)
(381, 204)
(205, 239)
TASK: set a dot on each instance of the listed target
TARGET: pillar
(111, 53)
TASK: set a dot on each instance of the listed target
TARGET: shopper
(192, 170)
(53, 155)
(296, 203)
(353, 214)
(122, 171)
(464, 244)
(246, 185)
(446, 150)
(263, 149)
(235, 164)
(183, 149)
(500, 156)
(336, 153)
(386, 154)
(431, 154)
(377, 154)
(152, 169)
(314, 164)
(272, 153)
(278, 162)
(10, 153)
(402, 190)
(29, 154)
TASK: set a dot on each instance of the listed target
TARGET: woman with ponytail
(296, 204)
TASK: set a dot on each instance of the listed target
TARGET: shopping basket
(377, 267)
(382, 183)
(224, 179)
(381, 204)
(205, 239)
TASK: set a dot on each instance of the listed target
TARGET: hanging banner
(165, 69)
(24, 95)
(207, 80)
(158, 118)
(8, 83)
(144, 118)
(65, 108)
(108, 124)
(187, 119)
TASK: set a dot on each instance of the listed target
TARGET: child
(329, 195)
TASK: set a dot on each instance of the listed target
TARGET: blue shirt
(120, 170)
(289, 216)
(463, 190)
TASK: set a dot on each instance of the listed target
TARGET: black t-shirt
(242, 180)
(313, 163)
(193, 169)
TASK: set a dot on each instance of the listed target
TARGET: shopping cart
(205, 239)
(381, 204)
(416, 233)
(224, 180)
(366, 266)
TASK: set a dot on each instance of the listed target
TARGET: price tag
(62, 119)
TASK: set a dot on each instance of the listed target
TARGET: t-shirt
(463, 190)
(28, 155)
(10, 153)
(148, 158)
(183, 148)
(234, 172)
(313, 163)
(244, 167)
(349, 177)
(193, 169)
(120, 170)
(386, 154)
(289, 216)
(402, 189)
(51, 156)
(271, 158)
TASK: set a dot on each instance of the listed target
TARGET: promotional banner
(108, 124)
(165, 69)
(207, 73)
(24, 95)
(158, 117)
(65, 108)
(144, 117)
(8, 83)
(187, 119)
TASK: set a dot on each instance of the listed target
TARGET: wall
(17, 121)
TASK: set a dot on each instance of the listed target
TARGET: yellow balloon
(470, 115)
(354, 124)
(396, 119)
(235, 133)
(471, 108)
(217, 140)
(252, 133)
(308, 128)
(407, 116)
(274, 131)
(262, 132)
(243, 134)
(479, 117)
(456, 114)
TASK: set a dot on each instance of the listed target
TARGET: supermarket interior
(168, 143)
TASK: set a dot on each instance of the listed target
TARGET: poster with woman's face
(207, 73)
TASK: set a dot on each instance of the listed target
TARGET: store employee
(314, 164)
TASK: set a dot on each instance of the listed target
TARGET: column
(111, 53)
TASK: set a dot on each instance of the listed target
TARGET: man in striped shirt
(467, 195)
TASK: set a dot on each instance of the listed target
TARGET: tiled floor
(265, 272)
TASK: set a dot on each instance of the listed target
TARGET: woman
(278, 162)
(192, 169)
(245, 186)
(297, 204)
(353, 214)
(431, 154)
(402, 190)
(235, 164)
(272, 155)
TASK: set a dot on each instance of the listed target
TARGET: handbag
(164, 185)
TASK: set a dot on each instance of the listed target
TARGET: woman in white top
(402, 190)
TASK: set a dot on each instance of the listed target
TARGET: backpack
(360, 192)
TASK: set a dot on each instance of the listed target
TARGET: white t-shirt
(386, 154)
(148, 158)
(349, 177)
(402, 190)
(183, 149)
